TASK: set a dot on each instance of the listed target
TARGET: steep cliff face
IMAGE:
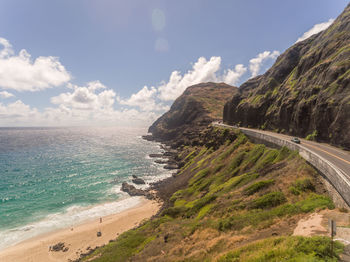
(306, 91)
(198, 106)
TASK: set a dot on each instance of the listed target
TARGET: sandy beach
(81, 238)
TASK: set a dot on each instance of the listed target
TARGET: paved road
(338, 157)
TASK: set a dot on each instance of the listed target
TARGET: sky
(110, 62)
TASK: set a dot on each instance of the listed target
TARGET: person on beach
(100, 219)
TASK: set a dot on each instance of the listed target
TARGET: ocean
(52, 178)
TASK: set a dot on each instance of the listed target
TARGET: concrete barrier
(333, 174)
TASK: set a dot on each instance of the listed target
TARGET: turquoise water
(56, 177)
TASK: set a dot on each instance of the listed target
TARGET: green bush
(175, 211)
(312, 136)
(269, 200)
(302, 185)
(196, 205)
(250, 190)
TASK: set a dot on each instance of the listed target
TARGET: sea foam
(72, 216)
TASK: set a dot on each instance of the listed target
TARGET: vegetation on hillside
(240, 203)
(305, 93)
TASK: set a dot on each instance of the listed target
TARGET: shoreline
(82, 238)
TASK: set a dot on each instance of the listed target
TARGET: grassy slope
(241, 203)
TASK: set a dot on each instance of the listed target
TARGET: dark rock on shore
(161, 161)
(138, 181)
(133, 191)
(170, 152)
(148, 137)
(171, 166)
(156, 155)
(170, 156)
(58, 247)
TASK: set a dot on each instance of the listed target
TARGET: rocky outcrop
(198, 106)
(59, 247)
(133, 191)
(138, 181)
(307, 90)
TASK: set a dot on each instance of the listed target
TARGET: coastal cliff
(230, 200)
(197, 107)
(306, 92)
(235, 200)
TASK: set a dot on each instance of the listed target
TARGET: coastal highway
(338, 157)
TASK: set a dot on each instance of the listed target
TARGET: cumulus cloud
(94, 103)
(202, 71)
(256, 63)
(145, 99)
(17, 112)
(7, 48)
(232, 76)
(86, 97)
(5, 94)
(21, 73)
(156, 98)
(315, 29)
(20, 114)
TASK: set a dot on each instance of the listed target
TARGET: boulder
(138, 181)
(133, 191)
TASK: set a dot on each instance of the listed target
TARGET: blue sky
(126, 45)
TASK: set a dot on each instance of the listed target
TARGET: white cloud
(17, 112)
(145, 99)
(5, 94)
(94, 103)
(202, 71)
(86, 98)
(256, 63)
(64, 114)
(19, 72)
(232, 77)
(315, 29)
(153, 98)
(7, 48)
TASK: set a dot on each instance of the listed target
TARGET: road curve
(339, 158)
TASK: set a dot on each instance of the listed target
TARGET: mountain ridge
(197, 107)
(305, 92)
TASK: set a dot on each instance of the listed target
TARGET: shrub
(269, 200)
(302, 185)
(250, 190)
(175, 211)
(312, 136)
